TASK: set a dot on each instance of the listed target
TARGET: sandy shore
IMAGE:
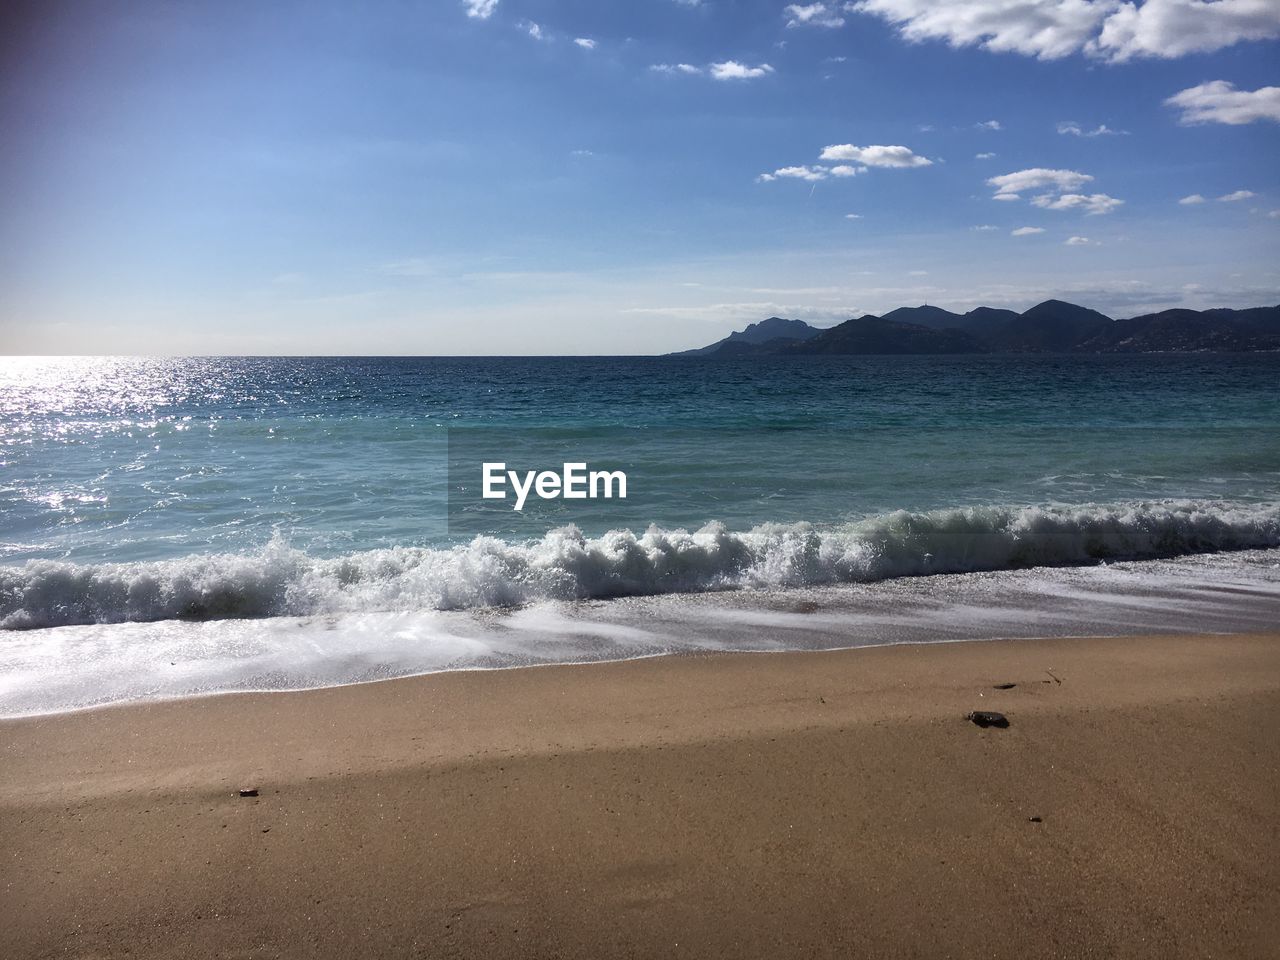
(808, 805)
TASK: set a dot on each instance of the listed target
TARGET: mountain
(1190, 331)
(1053, 326)
(775, 328)
(863, 335)
(925, 316)
(880, 335)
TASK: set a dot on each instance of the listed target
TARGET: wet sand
(772, 805)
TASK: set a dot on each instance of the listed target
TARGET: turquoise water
(147, 489)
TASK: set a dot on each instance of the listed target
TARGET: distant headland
(1053, 326)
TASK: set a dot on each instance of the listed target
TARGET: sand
(829, 804)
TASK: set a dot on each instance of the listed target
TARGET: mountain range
(1053, 326)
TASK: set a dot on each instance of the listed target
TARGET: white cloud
(1079, 242)
(1107, 29)
(1101, 130)
(1274, 214)
(813, 15)
(480, 9)
(1092, 204)
(586, 43)
(533, 30)
(1026, 231)
(834, 59)
(1220, 102)
(989, 125)
(858, 216)
(1059, 188)
(1238, 195)
(875, 156)
(846, 171)
(794, 173)
(1010, 186)
(733, 70)
(1191, 199)
(984, 156)
(985, 227)
(675, 68)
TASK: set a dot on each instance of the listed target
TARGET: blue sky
(590, 177)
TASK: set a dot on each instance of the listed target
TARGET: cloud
(586, 43)
(1079, 242)
(733, 70)
(675, 68)
(794, 173)
(989, 125)
(1092, 204)
(1010, 186)
(875, 156)
(480, 9)
(1220, 102)
(1106, 29)
(1191, 199)
(534, 30)
(1026, 231)
(847, 171)
(813, 15)
(985, 227)
(1059, 190)
(858, 216)
(984, 156)
(1101, 130)
(1238, 195)
(1274, 214)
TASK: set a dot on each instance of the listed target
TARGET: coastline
(802, 804)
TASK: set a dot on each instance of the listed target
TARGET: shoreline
(66, 668)
(816, 803)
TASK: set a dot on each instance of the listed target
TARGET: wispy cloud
(1052, 29)
(534, 30)
(1191, 200)
(686, 68)
(984, 156)
(1059, 190)
(480, 9)
(727, 70)
(1092, 203)
(586, 43)
(813, 15)
(1220, 102)
(1068, 127)
(1026, 231)
(875, 156)
(1079, 242)
(733, 70)
(1237, 196)
(1014, 184)
(989, 125)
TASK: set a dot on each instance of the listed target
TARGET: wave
(566, 565)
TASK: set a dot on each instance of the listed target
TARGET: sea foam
(566, 565)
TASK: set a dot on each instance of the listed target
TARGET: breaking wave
(566, 565)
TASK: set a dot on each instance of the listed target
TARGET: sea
(184, 526)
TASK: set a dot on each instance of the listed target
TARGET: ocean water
(244, 494)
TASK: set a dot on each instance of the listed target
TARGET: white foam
(566, 565)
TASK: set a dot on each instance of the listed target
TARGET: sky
(592, 177)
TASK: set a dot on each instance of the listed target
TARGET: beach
(806, 804)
